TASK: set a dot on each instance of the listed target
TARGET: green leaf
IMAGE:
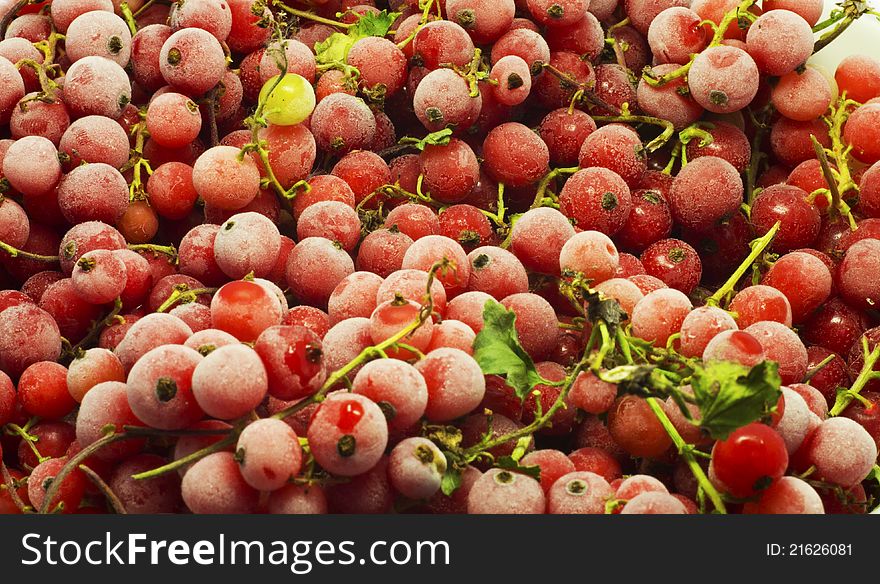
(508, 463)
(498, 351)
(607, 310)
(440, 138)
(731, 396)
(450, 481)
(335, 48)
(374, 24)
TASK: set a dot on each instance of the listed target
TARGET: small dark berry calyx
(174, 56)
(394, 229)
(68, 252)
(192, 106)
(469, 237)
(609, 201)
(206, 350)
(228, 225)
(424, 454)
(556, 11)
(537, 68)
(434, 114)
(467, 18)
(114, 45)
(763, 483)
(239, 456)
(653, 197)
(166, 389)
(399, 300)
(123, 100)
(47, 483)
(346, 446)
(718, 97)
(576, 487)
(86, 264)
(514, 81)
(388, 410)
(337, 144)
(505, 478)
(676, 255)
(481, 261)
(313, 353)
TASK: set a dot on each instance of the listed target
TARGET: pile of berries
(437, 256)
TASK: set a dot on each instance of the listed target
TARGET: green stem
(545, 183)
(758, 248)
(656, 143)
(128, 17)
(684, 450)
(9, 483)
(852, 10)
(844, 398)
(14, 252)
(309, 16)
(109, 437)
(168, 250)
(197, 455)
(720, 30)
(115, 503)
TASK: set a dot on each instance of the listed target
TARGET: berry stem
(850, 11)
(128, 17)
(686, 452)
(732, 16)
(844, 398)
(16, 253)
(197, 455)
(758, 246)
(110, 436)
(168, 250)
(96, 329)
(656, 143)
(115, 503)
(9, 484)
(29, 439)
(305, 14)
(541, 194)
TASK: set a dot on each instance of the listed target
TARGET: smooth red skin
(833, 375)
(501, 398)
(42, 391)
(800, 221)
(35, 286)
(239, 321)
(614, 87)
(314, 319)
(442, 42)
(7, 505)
(675, 262)
(866, 229)
(834, 325)
(649, 221)
(723, 248)
(867, 417)
(750, 454)
(596, 460)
